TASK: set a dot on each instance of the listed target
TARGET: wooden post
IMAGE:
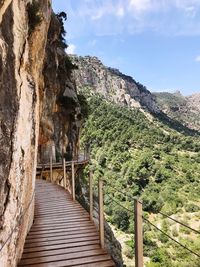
(64, 174)
(101, 214)
(138, 234)
(73, 182)
(51, 171)
(91, 196)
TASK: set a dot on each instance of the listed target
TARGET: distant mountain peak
(184, 109)
(178, 93)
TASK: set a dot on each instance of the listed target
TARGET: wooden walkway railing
(62, 233)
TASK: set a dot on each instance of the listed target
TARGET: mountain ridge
(185, 109)
(113, 84)
(124, 90)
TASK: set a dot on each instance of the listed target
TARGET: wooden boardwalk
(62, 234)
(59, 165)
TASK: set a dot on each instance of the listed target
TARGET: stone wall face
(112, 84)
(21, 63)
(60, 109)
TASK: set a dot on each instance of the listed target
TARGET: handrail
(67, 163)
(173, 239)
(183, 224)
(137, 212)
(140, 216)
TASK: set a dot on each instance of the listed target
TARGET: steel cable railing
(173, 239)
(146, 220)
(181, 223)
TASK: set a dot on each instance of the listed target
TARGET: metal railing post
(51, 171)
(85, 156)
(138, 234)
(64, 174)
(73, 181)
(101, 214)
(91, 195)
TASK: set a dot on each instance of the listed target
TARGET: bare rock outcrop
(183, 109)
(112, 84)
(60, 110)
(21, 63)
(39, 112)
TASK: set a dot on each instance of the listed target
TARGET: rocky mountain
(40, 113)
(112, 84)
(183, 109)
(38, 106)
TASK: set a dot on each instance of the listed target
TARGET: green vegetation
(34, 16)
(149, 160)
(182, 109)
(62, 16)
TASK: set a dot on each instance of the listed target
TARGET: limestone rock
(181, 108)
(59, 109)
(21, 62)
(112, 84)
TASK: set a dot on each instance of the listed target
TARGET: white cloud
(140, 5)
(109, 8)
(111, 17)
(71, 49)
(120, 11)
(197, 58)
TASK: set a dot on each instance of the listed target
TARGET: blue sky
(157, 42)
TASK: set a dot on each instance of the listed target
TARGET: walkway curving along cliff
(62, 233)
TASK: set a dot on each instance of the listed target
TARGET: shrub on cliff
(34, 16)
(62, 16)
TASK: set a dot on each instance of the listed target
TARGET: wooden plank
(59, 237)
(67, 232)
(58, 206)
(107, 263)
(54, 258)
(59, 251)
(59, 211)
(65, 215)
(59, 231)
(62, 233)
(67, 225)
(52, 212)
(59, 246)
(60, 241)
(60, 220)
(74, 262)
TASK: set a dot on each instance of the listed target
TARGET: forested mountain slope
(184, 109)
(149, 160)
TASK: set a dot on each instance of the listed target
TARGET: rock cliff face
(36, 92)
(21, 62)
(60, 110)
(112, 84)
(184, 109)
(39, 113)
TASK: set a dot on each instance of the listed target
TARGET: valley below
(145, 153)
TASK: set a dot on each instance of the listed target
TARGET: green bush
(121, 219)
(34, 16)
(192, 208)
